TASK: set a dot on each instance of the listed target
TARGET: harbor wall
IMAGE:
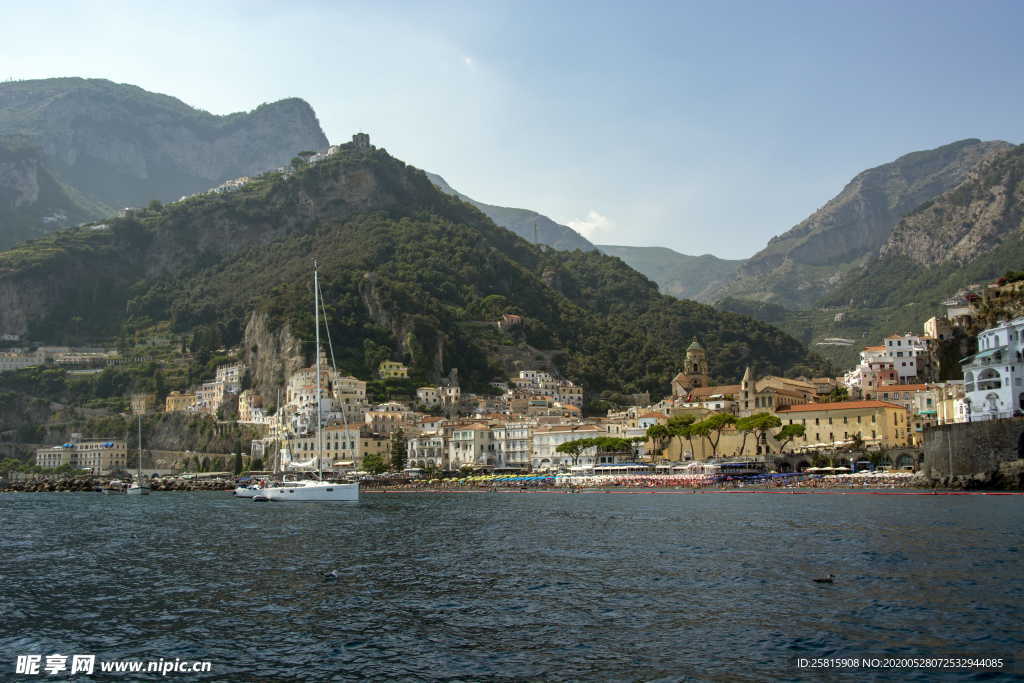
(980, 451)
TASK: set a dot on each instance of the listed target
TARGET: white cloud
(468, 61)
(595, 227)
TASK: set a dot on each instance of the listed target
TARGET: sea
(517, 586)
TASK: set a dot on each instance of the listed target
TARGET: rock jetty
(89, 484)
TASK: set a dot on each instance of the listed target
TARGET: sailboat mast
(316, 322)
(140, 449)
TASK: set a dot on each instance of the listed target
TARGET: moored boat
(114, 487)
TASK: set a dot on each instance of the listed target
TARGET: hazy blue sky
(705, 127)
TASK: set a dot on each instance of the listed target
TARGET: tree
(711, 429)
(744, 426)
(374, 463)
(858, 442)
(788, 433)
(658, 433)
(398, 451)
(573, 449)
(680, 427)
(838, 394)
(761, 423)
(237, 465)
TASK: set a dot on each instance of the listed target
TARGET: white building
(350, 395)
(909, 356)
(994, 376)
(548, 438)
(231, 376)
(512, 444)
(472, 446)
(427, 450)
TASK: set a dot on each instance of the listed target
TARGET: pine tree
(398, 451)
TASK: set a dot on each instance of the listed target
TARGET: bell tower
(695, 371)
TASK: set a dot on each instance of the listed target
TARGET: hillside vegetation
(402, 264)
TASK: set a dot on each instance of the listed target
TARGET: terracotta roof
(841, 405)
(657, 416)
(874, 348)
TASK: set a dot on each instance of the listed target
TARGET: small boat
(251, 490)
(114, 487)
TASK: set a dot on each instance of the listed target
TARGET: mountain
(679, 275)
(32, 201)
(124, 146)
(970, 234)
(409, 273)
(796, 268)
(523, 222)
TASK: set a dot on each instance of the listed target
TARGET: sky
(706, 127)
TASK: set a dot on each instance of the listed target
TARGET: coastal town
(872, 416)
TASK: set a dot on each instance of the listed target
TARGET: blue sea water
(515, 586)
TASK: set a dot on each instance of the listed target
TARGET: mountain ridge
(522, 221)
(410, 273)
(680, 275)
(125, 146)
(796, 267)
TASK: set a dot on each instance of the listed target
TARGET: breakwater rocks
(90, 484)
(1008, 476)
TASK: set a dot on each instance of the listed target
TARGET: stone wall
(966, 450)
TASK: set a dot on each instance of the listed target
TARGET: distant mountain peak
(522, 222)
(125, 146)
(797, 267)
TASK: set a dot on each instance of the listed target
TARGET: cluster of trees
(689, 428)
(14, 465)
(603, 444)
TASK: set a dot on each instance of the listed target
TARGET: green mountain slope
(406, 267)
(32, 201)
(679, 275)
(523, 222)
(972, 233)
(126, 146)
(796, 268)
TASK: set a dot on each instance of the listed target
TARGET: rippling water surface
(512, 585)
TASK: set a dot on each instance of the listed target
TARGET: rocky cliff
(32, 201)
(798, 267)
(125, 146)
(271, 354)
(967, 222)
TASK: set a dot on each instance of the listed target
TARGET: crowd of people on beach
(862, 480)
(866, 480)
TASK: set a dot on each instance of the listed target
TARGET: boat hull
(246, 491)
(137, 491)
(316, 492)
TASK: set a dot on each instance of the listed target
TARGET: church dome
(694, 346)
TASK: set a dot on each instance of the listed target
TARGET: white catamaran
(313, 490)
